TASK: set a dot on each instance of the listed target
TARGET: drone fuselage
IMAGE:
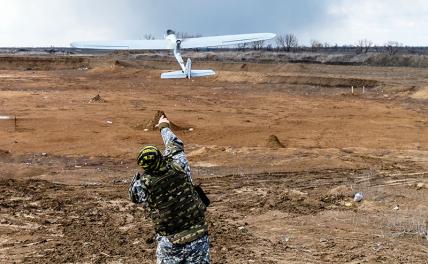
(171, 41)
(186, 69)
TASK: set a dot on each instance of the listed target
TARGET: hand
(163, 122)
(163, 119)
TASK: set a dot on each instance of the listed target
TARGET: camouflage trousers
(195, 252)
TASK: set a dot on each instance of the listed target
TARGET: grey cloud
(53, 22)
(228, 17)
(59, 22)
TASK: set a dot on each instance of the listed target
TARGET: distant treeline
(290, 43)
(331, 49)
(268, 48)
(282, 43)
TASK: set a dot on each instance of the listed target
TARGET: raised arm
(174, 147)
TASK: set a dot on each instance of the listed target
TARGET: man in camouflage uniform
(174, 205)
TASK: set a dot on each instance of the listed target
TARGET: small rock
(229, 150)
(118, 181)
(396, 208)
(44, 154)
(358, 197)
(223, 249)
(296, 193)
(420, 186)
(109, 122)
(146, 130)
(348, 204)
(50, 221)
(348, 150)
(241, 228)
(191, 129)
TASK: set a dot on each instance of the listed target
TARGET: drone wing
(157, 44)
(226, 40)
(162, 44)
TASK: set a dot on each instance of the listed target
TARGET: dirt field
(281, 149)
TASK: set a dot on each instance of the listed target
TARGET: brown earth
(274, 142)
(280, 149)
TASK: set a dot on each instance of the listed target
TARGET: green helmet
(150, 158)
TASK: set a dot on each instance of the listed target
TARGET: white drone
(171, 42)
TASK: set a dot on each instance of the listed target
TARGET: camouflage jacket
(174, 149)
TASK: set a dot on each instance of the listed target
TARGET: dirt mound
(338, 194)
(126, 64)
(260, 68)
(274, 142)
(331, 58)
(421, 94)
(42, 63)
(4, 153)
(97, 99)
(323, 81)
(291, 201)
(151, 124)
(262, 78)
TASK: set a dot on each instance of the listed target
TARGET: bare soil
(281, 149)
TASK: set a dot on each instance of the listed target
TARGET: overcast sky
(59, 22)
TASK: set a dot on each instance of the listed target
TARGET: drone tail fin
(183, 75)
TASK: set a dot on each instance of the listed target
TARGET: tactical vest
(174, 206)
